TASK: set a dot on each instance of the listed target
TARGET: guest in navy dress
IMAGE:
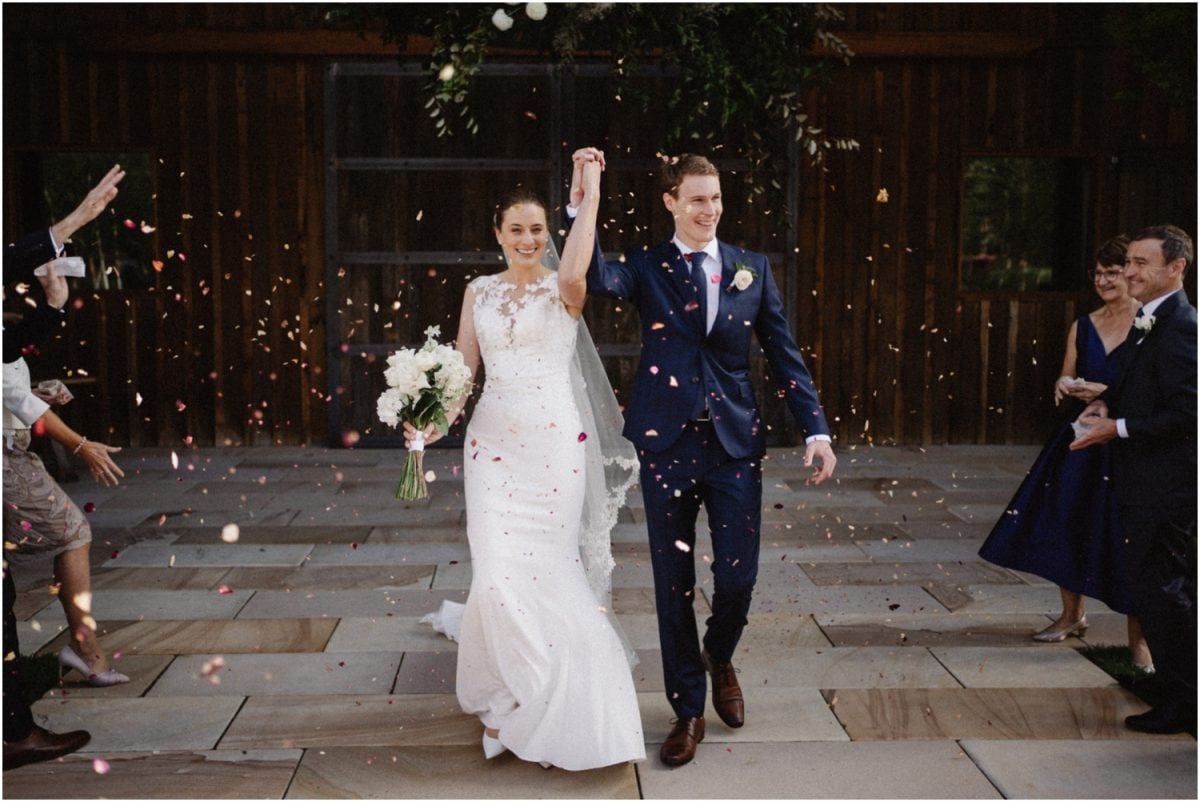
(1062, 523)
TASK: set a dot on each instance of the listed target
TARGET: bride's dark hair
(515, 197)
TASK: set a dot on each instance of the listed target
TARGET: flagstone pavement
(265, 604)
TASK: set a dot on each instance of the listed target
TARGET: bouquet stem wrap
(412, 477)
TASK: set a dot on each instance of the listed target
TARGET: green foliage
(745, 70)
(1160, 39)
(1117, 662)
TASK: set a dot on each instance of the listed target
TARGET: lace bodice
(525, 333)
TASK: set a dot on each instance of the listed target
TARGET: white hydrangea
(501, 20)
(535, 11)
(390, 403)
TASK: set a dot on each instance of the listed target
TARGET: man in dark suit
(24, 741)
(699, 431)
(1150, 412)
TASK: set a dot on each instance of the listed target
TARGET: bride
(539, 660)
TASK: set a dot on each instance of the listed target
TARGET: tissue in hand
(71, 266)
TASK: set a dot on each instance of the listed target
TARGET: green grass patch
(1117, 662)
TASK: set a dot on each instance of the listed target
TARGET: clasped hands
(1098, 428)
(587, 164)
(1085, 391)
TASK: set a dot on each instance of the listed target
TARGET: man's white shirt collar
(1149, 307)
(711, 250)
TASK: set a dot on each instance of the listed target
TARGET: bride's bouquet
(422, 386)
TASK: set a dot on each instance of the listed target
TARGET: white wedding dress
(538, 658)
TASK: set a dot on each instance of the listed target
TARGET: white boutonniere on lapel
(1143, 323)
(743, 277)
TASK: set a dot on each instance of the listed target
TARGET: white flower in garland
(501, 20)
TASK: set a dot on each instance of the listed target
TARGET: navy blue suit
(1154, 478)
(688, 461)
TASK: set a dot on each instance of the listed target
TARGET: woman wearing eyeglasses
(1062, 524)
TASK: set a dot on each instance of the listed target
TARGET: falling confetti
(685, 548)
(101, 766)
(230, 533)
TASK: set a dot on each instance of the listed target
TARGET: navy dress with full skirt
(1062, 523)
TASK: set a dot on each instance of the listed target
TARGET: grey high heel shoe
(67, 659)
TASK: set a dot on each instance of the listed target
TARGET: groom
(1149, 414)
(698, 429)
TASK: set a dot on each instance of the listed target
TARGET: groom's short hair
(676, 168)
(1176, 244)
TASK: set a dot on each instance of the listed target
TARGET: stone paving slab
(844, 598)
(220, 637)
(909, 573)
(427, 672)
(332, 577)
(324, 721)
(244, 518)
(346, 603)
(845, 667)
(418, 533)
(1020, 667)
(456, 575)
(277, 535)
(928, 713)
(279, 674)
(158, 605)
(448, 772)
(772, 715)
(397, 633)
(923, 551)
(178, 578)
(141, 725)
(935, 629)
(389, 554)
(151, 555)
(820, 770)
(1088, 769)
(30, 603)
(216, 774)
(1035, 599)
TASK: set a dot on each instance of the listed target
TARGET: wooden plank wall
(229, 347)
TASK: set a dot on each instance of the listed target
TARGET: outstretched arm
(578, 250)
(91, 206)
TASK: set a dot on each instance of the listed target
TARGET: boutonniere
(1144, 323)
(743, 277)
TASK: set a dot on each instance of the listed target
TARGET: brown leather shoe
(41, 745)
(727, 694)
(680, 746)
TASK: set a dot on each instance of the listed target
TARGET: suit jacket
(679, 362)
(21, 258)
(1155, 392)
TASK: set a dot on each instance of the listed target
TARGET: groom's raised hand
(819, 450)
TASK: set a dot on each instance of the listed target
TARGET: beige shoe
(1057, 634)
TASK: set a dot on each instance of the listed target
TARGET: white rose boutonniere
(1144, 323)
(743, 276)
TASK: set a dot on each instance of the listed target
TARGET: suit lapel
(725, 295)
(1138, 339)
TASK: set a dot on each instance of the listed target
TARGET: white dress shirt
(712, 269)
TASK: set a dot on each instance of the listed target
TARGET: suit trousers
(697, 470)
(1164, 591)
(18, 720)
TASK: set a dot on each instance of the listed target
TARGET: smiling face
(1110, 283)
(696, 207)
(523, 234)
(1148, 272)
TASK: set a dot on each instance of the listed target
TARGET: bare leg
(1072, 607)
(1138, 649)
(1069, 620)
(72, 570)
